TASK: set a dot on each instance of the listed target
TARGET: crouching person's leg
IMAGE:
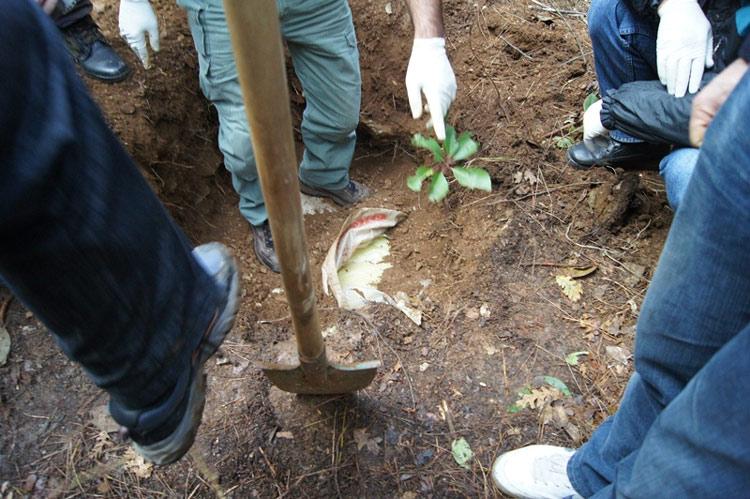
(86, 245)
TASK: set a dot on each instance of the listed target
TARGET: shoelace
(81, 35)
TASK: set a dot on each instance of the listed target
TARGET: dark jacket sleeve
(645, 8)
(744, 51)
(644, 109)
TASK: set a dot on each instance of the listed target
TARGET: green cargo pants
(320, 37)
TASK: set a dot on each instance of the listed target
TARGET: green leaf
(450, 144)
(419, 140)
(514, 409)
(438, 188)
(467, 147)
(563, 143)
(473, 178)
(558, 383)
(462, 452)
(414, 182)
(590, 99)
(572, 359)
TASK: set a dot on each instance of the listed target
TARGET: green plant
(449, 158)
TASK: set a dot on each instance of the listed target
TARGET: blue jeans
(84, 242)
(321, 40)
(682, 426)
(676, 169)
(624, 48)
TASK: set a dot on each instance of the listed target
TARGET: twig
(515, 48)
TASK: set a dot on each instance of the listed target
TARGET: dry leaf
(101, 442)
(285, 434)
(580, 272)
(538, 398)
(570, 288)
(4, 345)
(363, 440)
(135, 463)
(618, 354)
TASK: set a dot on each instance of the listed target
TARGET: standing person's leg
(85, 42)
(321, 39)
(698, 301)
(85, 244)
(676, 169)
(220, 85)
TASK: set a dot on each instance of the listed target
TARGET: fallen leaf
(580, 272)
(285, 434)
(363, 440)
(4, 345)
(535, 398)
(570, 288)
(472, 313)
(558, 384)
(135, 463)
(462, 452)
(572, 359)
(484, 311)
(101, 442)
(618, 354)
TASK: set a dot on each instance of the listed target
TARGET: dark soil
(480, 266)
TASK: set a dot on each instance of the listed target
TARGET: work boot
(535, 472)
(92, 53)
(353, 193)
(610, 152)
(165, 433)
(263, 246)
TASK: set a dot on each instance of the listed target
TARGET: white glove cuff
(428, 44)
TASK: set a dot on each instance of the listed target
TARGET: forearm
(427, 18)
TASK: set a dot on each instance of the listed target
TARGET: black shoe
(263, 246)
(609, 152)
(353, 193)
(91, 51)
(165, 433)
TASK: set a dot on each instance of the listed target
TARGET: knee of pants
(601, 19)
(235, 145)
(338, 128)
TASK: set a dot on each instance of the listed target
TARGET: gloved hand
(592, 123)
(136, 19)
(430, 72)
(684, 46)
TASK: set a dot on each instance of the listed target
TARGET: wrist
(429, 44)
(667, 6)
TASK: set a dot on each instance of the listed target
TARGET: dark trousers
(69, 12)
(84, 242)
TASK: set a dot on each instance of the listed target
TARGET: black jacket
(645, 109)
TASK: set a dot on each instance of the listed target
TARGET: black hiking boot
(609, 152)
(353, 193)
(263, 246)
(163, 434)
(92, 53)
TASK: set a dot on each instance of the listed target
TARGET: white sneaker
(535, 472)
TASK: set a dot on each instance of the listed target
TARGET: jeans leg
(698, 301)
(676, 169)
(84, 242)
(624, 48)
(220, 85)
(321, 39)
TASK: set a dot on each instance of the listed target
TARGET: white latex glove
(592, 123)
(136, 19)
(684, 46)
(430, 72)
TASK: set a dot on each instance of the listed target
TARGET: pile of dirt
(483, 268)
